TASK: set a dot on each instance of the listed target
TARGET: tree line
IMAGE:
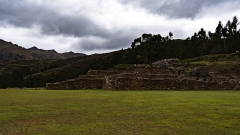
(149, 48)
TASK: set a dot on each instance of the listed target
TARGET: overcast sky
(98, 26)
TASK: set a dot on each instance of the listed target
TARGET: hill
(210, 72)
(10, 52)
(214, 50)
(36, 73)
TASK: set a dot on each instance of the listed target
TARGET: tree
(139, 59)
(234, 25)
(234, 38)
(202, 34)
(170, 35)
(133, 45)
(225, 32)
(218, 31)
(156, 38)
(210, 35)
(136, 42)
(146, 37)
(195, 36)
(159, 38)
(229, 27)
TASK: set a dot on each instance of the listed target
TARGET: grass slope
(119, 112)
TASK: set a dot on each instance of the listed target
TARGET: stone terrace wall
(162, 75)
(143, 69)
(164, 78)
(125, 83)
(83, 82)
(102, 72)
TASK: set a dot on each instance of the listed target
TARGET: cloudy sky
(98, 26)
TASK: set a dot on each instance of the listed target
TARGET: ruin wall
(77, 83)
(122, 83)
(160, 76)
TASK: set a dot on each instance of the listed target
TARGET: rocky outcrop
(166, 62)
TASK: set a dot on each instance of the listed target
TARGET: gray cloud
(185, 8)
(111, 43)
(122, 21)
(16, 13)
(25, 15)
(176, 8)
(148, 4)
(119, 42)
(22, 14)
(77, 26)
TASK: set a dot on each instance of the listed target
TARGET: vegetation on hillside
(10, 52)
(149, 48)
(144, 50)
(36, 73)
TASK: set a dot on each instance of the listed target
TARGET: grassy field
(97, 112)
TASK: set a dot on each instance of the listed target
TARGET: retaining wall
(142, 77)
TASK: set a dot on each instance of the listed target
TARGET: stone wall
(168, 78)
(163, 75)
(166, 62)
(83, 82)
(102, 72)
(124, 83)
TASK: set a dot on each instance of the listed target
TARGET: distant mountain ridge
(10, 52)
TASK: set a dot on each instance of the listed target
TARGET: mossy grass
(119, 112)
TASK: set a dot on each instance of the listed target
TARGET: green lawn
(97, 112)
